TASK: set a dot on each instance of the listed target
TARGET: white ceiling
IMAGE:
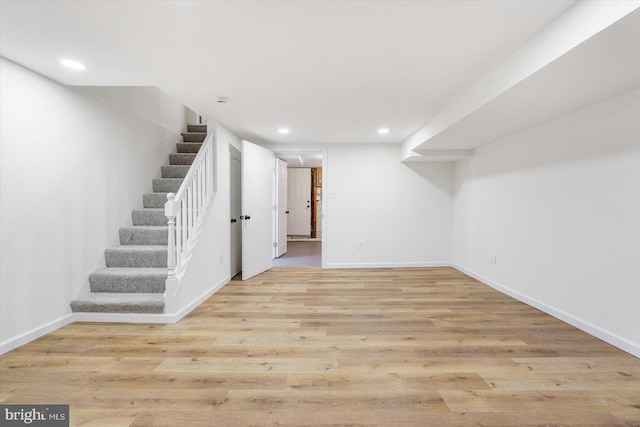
(330, 71)
(604, 66)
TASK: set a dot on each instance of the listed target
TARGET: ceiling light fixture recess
(383, 131)
(221, 100)
(283, 130)
(74, 65)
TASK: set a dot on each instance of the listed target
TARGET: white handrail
(185, 211)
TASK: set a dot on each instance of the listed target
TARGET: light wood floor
(296, 347)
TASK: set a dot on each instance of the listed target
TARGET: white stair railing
(186, 211)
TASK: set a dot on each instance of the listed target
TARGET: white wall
(72, 168)
(144, 102)
(559, 205)
(402, 214)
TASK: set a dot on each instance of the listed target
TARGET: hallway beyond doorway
(301, 254)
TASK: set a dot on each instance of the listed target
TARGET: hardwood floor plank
(246, 364)
(312, 347)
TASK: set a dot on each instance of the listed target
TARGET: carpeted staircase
(134, 278)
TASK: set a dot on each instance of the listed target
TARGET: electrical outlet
(361, 246)
(494, 258)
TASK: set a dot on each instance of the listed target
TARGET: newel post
(171, 301)
(170, 212)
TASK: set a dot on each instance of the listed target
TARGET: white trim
(124, 317)
(199, 300)
(598, 332)
(150, 317)
(35, 333)
(386, 264)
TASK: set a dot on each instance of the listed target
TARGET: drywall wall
(144, 102)
(72, 169)
(559, 206)
(382, 213)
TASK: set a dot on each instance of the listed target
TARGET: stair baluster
(187, 209)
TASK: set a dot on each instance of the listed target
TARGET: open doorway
(304, 215)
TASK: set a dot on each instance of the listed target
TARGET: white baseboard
(199, 300)
(386, 264)
(598, 332)
(35, 333)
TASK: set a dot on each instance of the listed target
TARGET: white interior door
(236, 211)
(299, 202)
(257, 209)
(281, 208)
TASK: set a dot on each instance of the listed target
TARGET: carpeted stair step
(119, 303)
(194, 136)
(181, 158)
(154, 200)
(150, 216)
(197, 128)
(166, 185)
(188, 147)
(144, 235)
(136, 256)
(174, 171)
(130, 280)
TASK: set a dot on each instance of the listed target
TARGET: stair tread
(188, 147)
(130, 271)
(121, 296)
(128, 280)
(198, 127)
(118, 302)
(182, 158)
(139, 248)
(145, 227)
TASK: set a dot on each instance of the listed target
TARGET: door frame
(277, 207)
(235, 155)
(324, 152)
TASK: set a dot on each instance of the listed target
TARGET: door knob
(245, 217)
(233, 220)
(286, 212)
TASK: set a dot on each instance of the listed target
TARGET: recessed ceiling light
(74, 65)
(382, 131)
(221, 100)
(283, 130)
